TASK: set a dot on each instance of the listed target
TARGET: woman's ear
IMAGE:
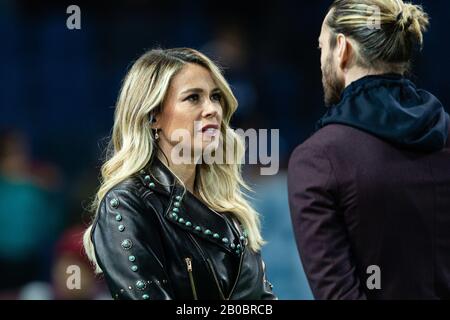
(152, 119)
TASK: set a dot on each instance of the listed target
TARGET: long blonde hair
(143, 91)
(387, 47)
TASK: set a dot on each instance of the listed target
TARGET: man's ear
(344, 51)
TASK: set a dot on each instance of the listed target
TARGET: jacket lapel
(189, 213)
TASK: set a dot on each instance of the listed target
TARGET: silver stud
(121, 228)
(176, 204)
(216, 236)
(225, 240)
(134, 268)
(114, 203)
(141, 285)
(178, 198)
(145, 296)
(175, 210)
(181, 220)
(198, 228)
(118, 217)
(147, 179)
(232, 246)
(151, 185)
(131, 258)
(188, 224)
(126, 244)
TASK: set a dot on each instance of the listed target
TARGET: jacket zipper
(208, 262)
(191, 277)
(216, 279)
(238, 274)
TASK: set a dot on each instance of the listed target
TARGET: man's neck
(357, 73)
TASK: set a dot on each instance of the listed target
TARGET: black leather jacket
(154, 240)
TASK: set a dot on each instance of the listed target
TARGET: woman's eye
(193, 98)
(216, 97)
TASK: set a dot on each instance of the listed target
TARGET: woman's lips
(210, 132)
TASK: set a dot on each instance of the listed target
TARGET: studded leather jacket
(155, 240)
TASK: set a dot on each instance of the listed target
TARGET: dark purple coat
(356, 201)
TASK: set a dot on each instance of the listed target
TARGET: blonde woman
(165, 229)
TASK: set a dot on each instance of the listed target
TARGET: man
(369, 192)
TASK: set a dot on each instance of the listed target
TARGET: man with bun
(369, 191)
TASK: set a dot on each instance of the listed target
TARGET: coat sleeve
(128, 248)
(319, 227)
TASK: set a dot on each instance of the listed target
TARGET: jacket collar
(187, 212)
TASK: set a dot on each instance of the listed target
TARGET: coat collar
(187, 212)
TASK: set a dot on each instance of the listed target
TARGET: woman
(166, 228)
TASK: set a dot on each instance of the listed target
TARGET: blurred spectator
(69, 263)
(29, 217)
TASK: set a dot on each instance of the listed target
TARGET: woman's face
(194, 104)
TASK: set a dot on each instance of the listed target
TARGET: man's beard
(332, 85)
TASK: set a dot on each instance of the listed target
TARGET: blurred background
(57, 92)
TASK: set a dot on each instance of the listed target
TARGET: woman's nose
(210, 109)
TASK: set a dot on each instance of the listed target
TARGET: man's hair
(386, 33)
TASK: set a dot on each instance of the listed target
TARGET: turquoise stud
(140, 284)
(131, 258)
(188, 224)
(181, 220)
(121, 228)
(198, 228)
(178, 198)
(151, 184)
(232, 246)
(147, 179)
(134, 268)
(126, 244)
(208, 232)
(176, 204)
(114, 203)
(175, 210)
(225, 240)
(145, 296)
(118, 217)
(216, 236)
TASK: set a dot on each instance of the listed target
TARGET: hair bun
(413, 19)
(403, 22)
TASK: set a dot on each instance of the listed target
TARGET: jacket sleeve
(319, 227)
(128, 248)
(268, 287)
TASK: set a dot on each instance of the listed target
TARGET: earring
(156, 134)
